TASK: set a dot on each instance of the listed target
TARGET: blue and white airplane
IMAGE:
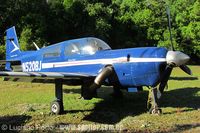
(90, 62)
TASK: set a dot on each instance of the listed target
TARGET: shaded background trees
(121, 23)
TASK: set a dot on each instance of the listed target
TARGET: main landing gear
(58, 108)
(57, 105)
(117, 93)
(152, 103)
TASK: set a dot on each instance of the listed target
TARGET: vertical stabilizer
(12, 46)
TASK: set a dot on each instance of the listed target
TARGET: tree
(121, 23)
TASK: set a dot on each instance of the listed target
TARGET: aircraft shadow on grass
(13, 123)
(183, 97)
(183, 78)
(112, 111)
(185, 127)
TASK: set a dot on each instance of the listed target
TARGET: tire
(155, 111)
(56, 107)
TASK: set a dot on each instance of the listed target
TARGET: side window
(72, 49)
(52, 52)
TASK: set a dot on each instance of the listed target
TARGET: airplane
(91, 63)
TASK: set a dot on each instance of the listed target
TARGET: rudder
(12, 47)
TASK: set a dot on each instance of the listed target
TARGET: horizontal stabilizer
(15, 65)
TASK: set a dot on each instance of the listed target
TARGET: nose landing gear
(152, 103)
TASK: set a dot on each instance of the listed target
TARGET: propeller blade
(186, 69)
(165, 78)
(169, 26)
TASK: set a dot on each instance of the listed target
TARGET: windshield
(88, 46)
(93, 45)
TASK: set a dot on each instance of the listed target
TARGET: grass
(25, 106)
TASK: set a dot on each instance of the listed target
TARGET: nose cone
(177, 58)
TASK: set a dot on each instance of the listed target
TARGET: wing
(44, 77)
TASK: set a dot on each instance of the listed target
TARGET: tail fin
(12, 45)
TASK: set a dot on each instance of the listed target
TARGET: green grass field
(26, 106)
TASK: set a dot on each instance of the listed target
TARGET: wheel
(155, 111)
(56, 107)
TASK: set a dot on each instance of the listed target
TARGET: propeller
(165, 78)
(174, 59)
(169, 26)
(186, 69)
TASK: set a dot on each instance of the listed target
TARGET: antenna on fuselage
(36, 46)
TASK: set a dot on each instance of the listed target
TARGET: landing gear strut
(57, 105)
(152, 103)
(117, 93)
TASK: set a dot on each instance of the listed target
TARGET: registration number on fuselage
(32, 66)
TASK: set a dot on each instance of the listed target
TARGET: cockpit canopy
(87, 46)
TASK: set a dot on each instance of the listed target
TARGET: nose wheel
(155, 110)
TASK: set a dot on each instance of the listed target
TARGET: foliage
(121, 23)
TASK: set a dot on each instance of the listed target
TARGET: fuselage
(133, 66)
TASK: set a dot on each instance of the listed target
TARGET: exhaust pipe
(88, 92)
